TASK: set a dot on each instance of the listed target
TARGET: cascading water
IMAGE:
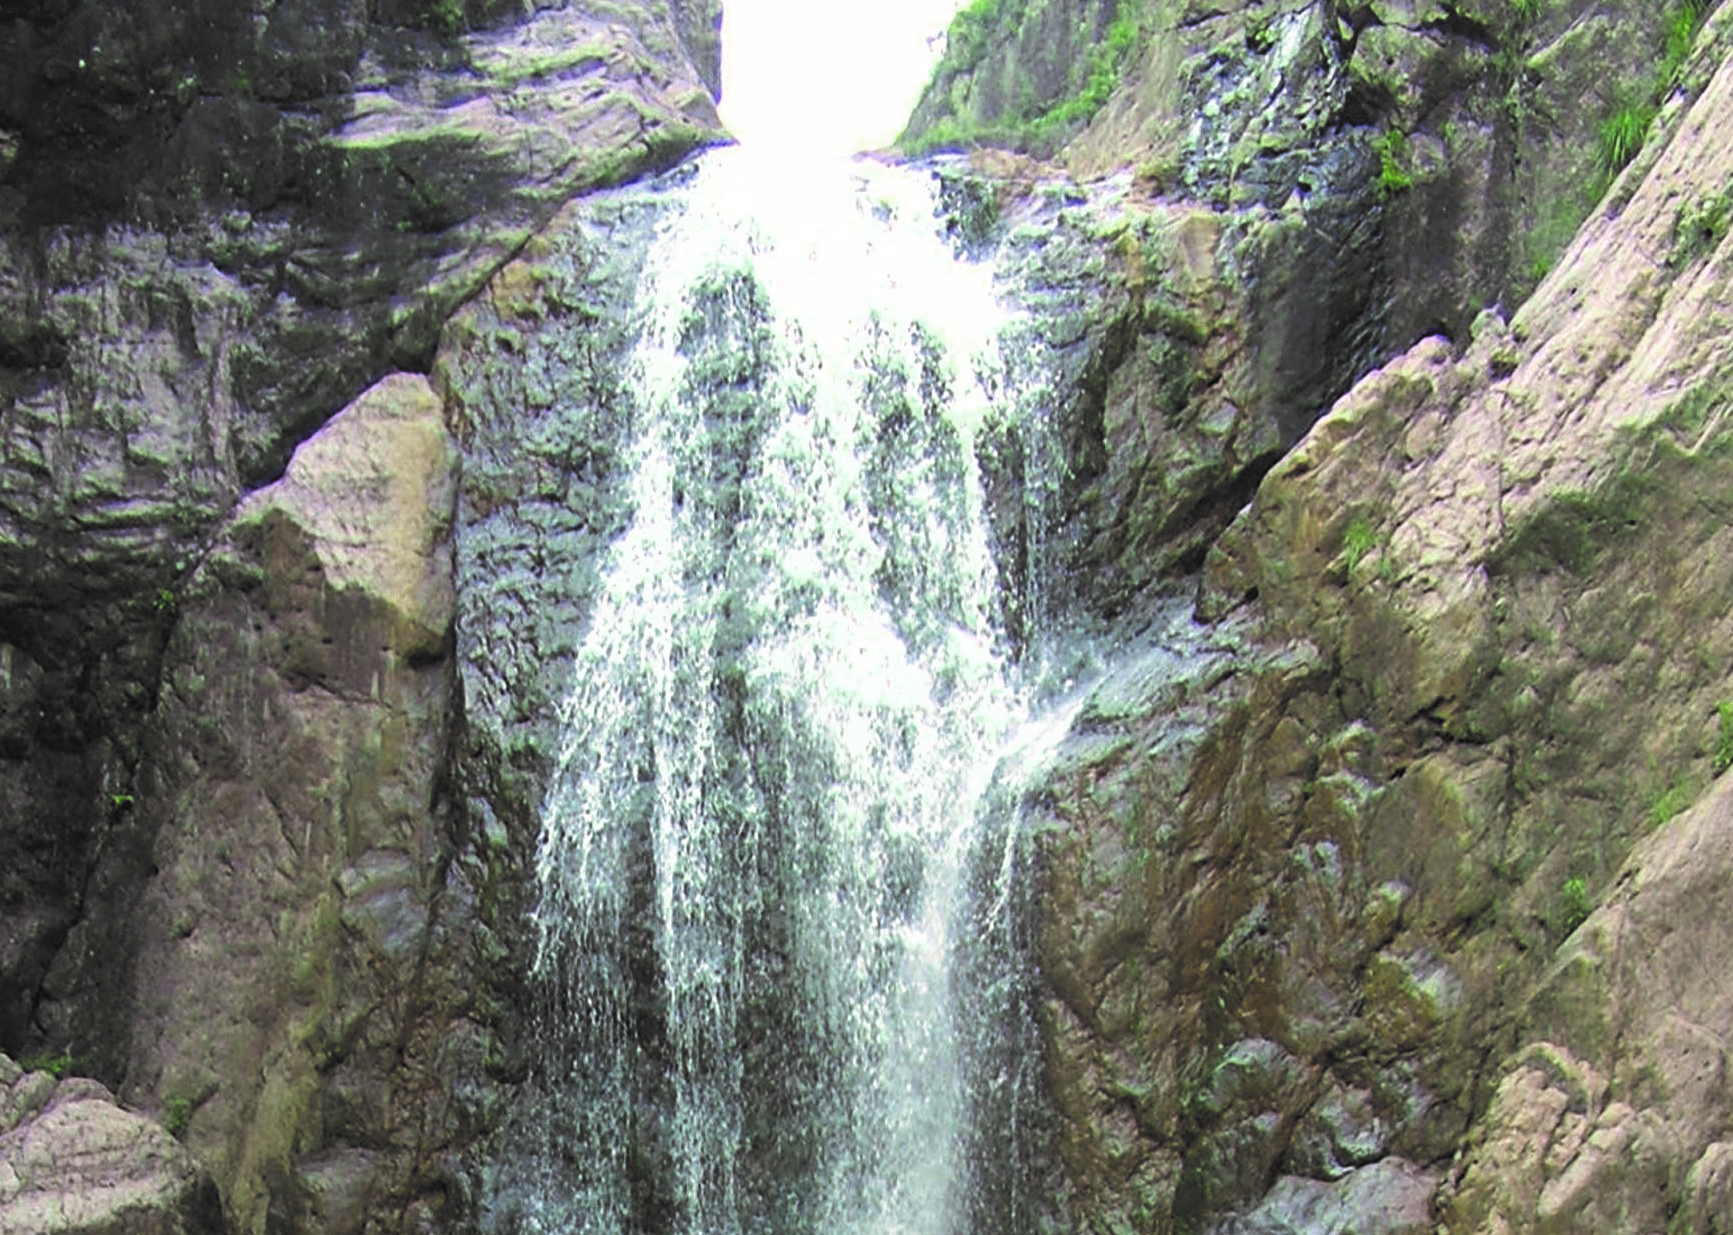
(754, 857)
(779, 915)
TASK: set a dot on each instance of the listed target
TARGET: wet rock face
(1366, 934)
(284, 948)
(1379, 172)
(216, 229)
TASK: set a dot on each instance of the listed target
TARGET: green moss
(1572, 528)
(1700, 227)
(1688, 414)
(1393, 173)
(1553, 230)
(510, 66)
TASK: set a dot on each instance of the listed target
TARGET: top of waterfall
(827, 76)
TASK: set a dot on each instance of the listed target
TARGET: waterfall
(774, 917)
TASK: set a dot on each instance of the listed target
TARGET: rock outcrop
(232, 883)
(1324, 945)
(1312, 188)
(72, 1162)
(215, 231)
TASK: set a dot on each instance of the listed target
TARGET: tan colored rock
(373, 492)
(1598, 1141)
(291, 996)
(1492, 587)
(83, 1166)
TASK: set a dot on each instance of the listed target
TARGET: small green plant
(445, 16)
(166, 601)
(972, 33)
(968, 37)
(120, 801)
(1623, 133)
(1575, 904)
(1358, 540)
(1670, 801)
(176, 1115)
(1105, 59)
(1723, 737)
(1393, 173)
(1683, 23)
(1526, 10)
(56, 1065)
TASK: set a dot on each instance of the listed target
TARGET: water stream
(770, 997)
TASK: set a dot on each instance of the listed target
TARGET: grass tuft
(1575, 904)
(1623, 133)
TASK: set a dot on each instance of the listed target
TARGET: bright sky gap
(837, 83)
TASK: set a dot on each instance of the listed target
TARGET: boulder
(72, 1162)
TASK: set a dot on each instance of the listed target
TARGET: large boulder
(72, 1162)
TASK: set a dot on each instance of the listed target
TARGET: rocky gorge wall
(1390, 914)
(1383, 923)
(235, 885)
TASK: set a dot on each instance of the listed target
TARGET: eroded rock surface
(72, 1162)
(1484, 683)
(217, 229)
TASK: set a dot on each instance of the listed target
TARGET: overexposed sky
(828, 76)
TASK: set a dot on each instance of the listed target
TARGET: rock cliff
(234, 883)
(1392, 909)
(1364, 931)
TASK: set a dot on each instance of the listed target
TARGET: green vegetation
(444, 16)
(176, 1115)
(1358, 540)
(1723, 737)
(1683, 23)
(1393, 174)
(1700, 228)
(967, 39)
(1575, 904)
(56, 1065)
(1619, 136)
(1624, 130)
(1105, 59)
(1670, 801)
(1555, 227)
(1623, 133)
(972, 33)
(1574, 527)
